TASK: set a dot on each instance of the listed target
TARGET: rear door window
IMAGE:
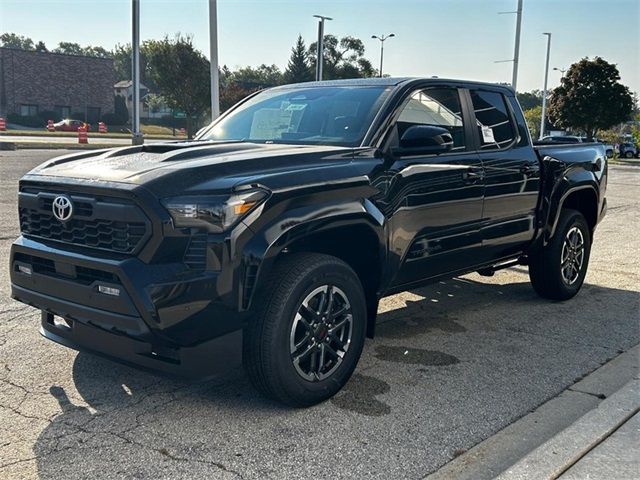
(494, 124)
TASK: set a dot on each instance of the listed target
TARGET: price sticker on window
(487, 135)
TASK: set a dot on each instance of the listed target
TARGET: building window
(62, 111)
(28, 110)
(93, 114)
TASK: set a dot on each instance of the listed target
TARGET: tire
(271, 338)
(628, 154)
(551, 281)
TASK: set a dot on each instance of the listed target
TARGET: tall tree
(182, 75)
(532, 117)
(298, 70)
(343, 58)
(590, 98)
(12, 40)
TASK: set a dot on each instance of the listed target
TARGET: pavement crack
(219, 465)
(601, 396)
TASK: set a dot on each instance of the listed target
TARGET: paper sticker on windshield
(487, 135)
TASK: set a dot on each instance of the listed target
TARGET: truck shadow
(126, 413)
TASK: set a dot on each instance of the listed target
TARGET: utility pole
(213, 53)
(544, 90)
(382, 38)
(320, 53)
(137, 138)
(516, 51)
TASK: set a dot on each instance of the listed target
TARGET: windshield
(312, 115)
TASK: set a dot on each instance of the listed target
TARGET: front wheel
(308, 334)
(629, 154)
(557, 270)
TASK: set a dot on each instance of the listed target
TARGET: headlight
(216, 213)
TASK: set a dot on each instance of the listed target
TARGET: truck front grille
(103, 223)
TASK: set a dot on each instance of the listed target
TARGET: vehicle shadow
(129, 414)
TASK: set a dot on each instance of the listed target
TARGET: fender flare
(262, 251)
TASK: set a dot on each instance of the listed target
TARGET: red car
(70, 125)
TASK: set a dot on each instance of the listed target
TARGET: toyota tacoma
(271, 238)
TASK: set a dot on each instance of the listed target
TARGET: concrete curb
(558, 454)
(503, 450)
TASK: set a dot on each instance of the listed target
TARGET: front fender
(294, 224)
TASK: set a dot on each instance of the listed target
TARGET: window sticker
(487, 135)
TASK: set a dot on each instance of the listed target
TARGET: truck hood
(182, 166)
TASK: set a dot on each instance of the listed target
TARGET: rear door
(512, 174)
(433, 202)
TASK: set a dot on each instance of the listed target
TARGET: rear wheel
(306, 340)
(557, 270)
(628, 154)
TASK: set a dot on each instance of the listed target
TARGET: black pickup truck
(272, 236)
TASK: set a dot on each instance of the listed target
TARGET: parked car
(628, 150)
(69, 125)
(274, 235)
(561, 139)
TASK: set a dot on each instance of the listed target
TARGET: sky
(446, 38)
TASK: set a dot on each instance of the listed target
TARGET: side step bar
(490, 271)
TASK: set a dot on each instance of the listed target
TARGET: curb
(503, 450)
(557, 455)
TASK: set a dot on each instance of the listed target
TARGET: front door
(433, 202)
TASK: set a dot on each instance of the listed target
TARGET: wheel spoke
(321, 366)
(327, 310)
(305, 340)
(308, 315)
(304, 354)
(340, 324)
(323, 301)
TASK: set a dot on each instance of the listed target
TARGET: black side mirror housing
(424, 140)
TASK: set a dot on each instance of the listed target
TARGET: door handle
(473, 175)
(528, 169)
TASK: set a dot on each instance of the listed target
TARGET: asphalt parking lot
(452, 364)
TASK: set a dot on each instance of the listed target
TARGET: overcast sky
(447, 38)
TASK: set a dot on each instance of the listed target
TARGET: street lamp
(544, 90)
(136, 136)
(213, 54)
(382, 38)
(561, 70)
(320, 53)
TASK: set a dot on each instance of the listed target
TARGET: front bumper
(162, 317)
(208, 359)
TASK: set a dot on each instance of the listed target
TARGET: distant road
(69, 140)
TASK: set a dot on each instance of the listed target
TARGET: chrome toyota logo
(62, 208)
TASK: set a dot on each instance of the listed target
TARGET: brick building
(70, 85)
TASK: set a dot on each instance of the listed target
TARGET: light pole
(544, 90)
(561, 70)
(213, 53)
(136, 138)
(320, 53)
(382, 38)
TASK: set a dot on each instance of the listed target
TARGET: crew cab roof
(395, 81)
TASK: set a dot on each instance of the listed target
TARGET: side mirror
(424, 140)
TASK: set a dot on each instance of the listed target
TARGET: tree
(12, 40)
(298, 70)
(343, 58)
(182, 75)
(260, 77)
(97, 52)
(122, 64)
(70, 48)
(529, 100)
(590, 98)
(533, 116)
(121, 112)
(41, 47)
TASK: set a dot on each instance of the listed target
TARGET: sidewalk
(591, 430)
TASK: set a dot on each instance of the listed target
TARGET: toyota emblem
(62, 208)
